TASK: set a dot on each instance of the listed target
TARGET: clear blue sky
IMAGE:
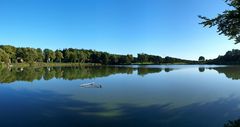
(160, 27)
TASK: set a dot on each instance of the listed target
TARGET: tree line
(10, 54)
(230, 57)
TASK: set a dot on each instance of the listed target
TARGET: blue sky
(160, 27)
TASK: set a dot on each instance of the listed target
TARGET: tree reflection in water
(231, 72)
(8, 75)
(68, 73)
(235, 123)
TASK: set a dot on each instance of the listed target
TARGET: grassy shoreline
(51, 64)
(42, 64)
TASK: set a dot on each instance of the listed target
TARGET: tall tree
(73, 56)
(142, 58)
(10, 50)
(49, 55)
(27, 54)
(4, 57)
(30, 55)
(40, 56)
(228, 23)
(201, 59)
(104, 58)
(59, 55)
(66, 55)
(129, 59)
(113, 59)
(81, 56)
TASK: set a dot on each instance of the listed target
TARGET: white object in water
(90, 85)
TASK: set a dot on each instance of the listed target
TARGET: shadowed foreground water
(146, 96)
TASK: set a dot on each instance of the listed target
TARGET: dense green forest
(231, 57)
(10, 54)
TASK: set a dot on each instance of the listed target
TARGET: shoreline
(42, 64)
(20, 65)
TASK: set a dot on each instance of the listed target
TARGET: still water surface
(141, 96)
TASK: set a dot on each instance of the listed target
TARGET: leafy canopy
(201, 58)
(228, 23)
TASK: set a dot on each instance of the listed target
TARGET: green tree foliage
(10, 50)
(27, 54)
(228, 23)
(231, 57)
(4, 57)
(104, 58)
(201, 59)
(49, 55)
(59, 56)
(66, 55)
(145, 58)
(113, 59)
(142, 58)
(129, 59)
(95, 57)
(73, 56)
(168, 59)
(82, 57)
(31, 55)
(40, 56)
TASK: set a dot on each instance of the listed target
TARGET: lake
(141, 96)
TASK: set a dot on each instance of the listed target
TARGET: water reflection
(231, 72)
(201, 69)
(234, 123)
(70, 73)
(45, 108)
(182, 98)
(8, 75)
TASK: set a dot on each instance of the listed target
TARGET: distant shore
(41, 64)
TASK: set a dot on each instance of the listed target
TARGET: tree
(168, 59)
(104, 58)
(201, 59)
(30, 55)
(129, 59)
(20, 53)
(95, 57)
(228, 23)
(10, 50)
(40, 56)
(73, 56)
(4, 57)
(49, 55)
(113, 59)
(142, 58)
(155, 59)
(201, 69)
(27, 54)
(66, 55)
(59, 55)
(231, 57)
(81, 56)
